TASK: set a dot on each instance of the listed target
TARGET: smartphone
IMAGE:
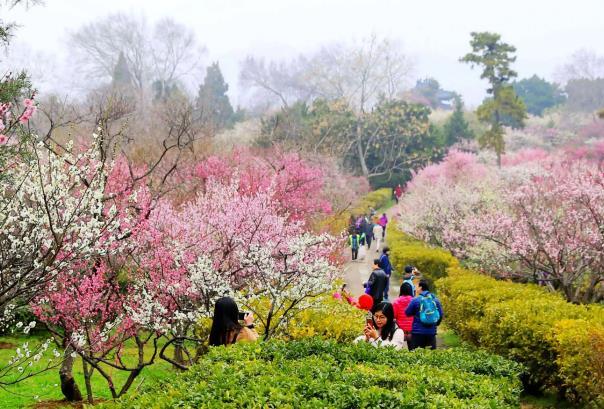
(242, 315)
(369, 319)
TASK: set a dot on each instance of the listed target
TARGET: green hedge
(405, 250)
(314, 373)
(560, 344)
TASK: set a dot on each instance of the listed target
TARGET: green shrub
(319, 321)
(316, 374)
(405, 250)
(560, 344)
(580, 348)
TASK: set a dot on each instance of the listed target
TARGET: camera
(242, 315)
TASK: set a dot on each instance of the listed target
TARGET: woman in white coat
(383, 331)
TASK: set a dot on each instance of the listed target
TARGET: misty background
(432, 34)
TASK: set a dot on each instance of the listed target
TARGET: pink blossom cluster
(540, 216)
(29, 111)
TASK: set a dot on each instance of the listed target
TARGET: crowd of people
(365, 230)
(410, 321)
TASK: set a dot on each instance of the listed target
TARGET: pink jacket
(399, 305)
(383, 221)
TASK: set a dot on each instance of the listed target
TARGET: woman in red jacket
(399, 305)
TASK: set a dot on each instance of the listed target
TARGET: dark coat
(376, 285)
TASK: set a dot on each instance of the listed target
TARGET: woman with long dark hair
(382, 330)
(226, 328)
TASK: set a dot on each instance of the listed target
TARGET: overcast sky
(435, 33)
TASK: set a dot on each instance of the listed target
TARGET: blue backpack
(428, 311)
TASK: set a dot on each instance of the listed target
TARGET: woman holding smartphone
(381, 329)
(226, 328)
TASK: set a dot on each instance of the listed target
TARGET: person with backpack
(376, 283)
(384, 264)
(400, 305)
(427, 314)
(353, 241)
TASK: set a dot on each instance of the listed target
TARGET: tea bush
(314, 373)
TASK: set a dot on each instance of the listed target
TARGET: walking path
(357, 272)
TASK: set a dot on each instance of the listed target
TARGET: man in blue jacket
(384, 264)
(427, 314)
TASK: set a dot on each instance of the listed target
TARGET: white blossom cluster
(52, 214)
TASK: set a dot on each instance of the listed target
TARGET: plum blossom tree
(554, 225)
(539, 218)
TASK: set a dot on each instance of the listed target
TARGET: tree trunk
(87, 374)
(359, 137)
(68, 385)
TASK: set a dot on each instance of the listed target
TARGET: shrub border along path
(561, 344)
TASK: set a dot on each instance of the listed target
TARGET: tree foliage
(503, 108)
(213, 105)
(457, 128)
(538, 94)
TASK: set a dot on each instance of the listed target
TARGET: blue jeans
(387, 288)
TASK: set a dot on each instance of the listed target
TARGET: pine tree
(122, 77)
(457, 128)
(213, 103)
(503, 107)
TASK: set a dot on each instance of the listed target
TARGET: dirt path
(357, 272)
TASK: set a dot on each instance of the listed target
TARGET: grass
(548, 401)
(449, 338)
(45, 386)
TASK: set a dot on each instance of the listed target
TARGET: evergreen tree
(538, 94)
(503, 107)
(122, 77)
(213, 103)
(457, 128)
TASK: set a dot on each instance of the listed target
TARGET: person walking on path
(354, 242)
(384, 264)
(368, 233)
(427, 314)
(398, 192)
(377, 236)
(400, 305)
(376, 283)
(383, 222)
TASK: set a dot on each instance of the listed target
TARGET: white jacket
(398, 340)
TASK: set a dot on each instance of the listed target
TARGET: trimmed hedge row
(405, 250)
(314, 373)
(339, 222)
(561, 344)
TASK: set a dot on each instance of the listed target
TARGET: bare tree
(358, 73)
(582, 64)
(166, 52)
(100, 43)
(277, 83)
(174, 51)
